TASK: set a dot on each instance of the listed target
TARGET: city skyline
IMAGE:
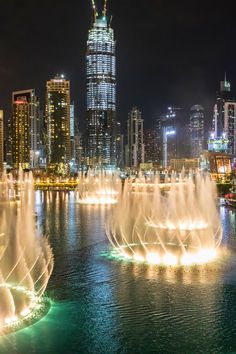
(117, 177)
(165, 80)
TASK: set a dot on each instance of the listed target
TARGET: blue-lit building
(101, 95)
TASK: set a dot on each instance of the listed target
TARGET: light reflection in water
(125, 306)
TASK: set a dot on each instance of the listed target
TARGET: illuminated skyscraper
(24, 129)
(58, 124)
(1, 141)
(170, 126)
(135, 146)
(119, 146)
(72, 138)
(223, 135)
(197, 130)
(219, 111)
(101, 93)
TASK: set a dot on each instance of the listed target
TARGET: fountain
(26, 259)
(98, 188)
(180, 226)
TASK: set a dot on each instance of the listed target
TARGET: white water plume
(98, 188)
(178, 226)
(26, 259)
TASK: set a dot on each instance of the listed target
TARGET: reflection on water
(107, 306)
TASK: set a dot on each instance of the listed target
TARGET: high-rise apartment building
(196, 130)
(9, 144)
(58, 124)
(101, 94)
(119, 146)
(158, 130)
(151, 146)
(73, 166)
(1, 142)
(170, 131)
(223, 135)
(135, 152)
(24, 129)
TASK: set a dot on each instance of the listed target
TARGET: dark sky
(169, 52)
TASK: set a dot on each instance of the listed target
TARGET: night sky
(168, 52)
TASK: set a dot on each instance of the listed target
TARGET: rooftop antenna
(225, 77)
(95, 13)
(110, 21)
(105, 8)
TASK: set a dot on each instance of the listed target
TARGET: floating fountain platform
(36, 309)
(152, 253)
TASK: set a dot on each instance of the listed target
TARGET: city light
(170, 132)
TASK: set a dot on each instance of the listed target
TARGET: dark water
(107, 306)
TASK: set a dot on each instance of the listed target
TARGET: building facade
(135, 152)
(101, 95)
(187, 164)
(196, 130)
(24, 129)
(217, 163)
(58, 124)
(1, 142)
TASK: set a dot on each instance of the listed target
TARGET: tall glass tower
(196, 130)
(25, 129)
(101, 94)
(135, 146)
(58, 124)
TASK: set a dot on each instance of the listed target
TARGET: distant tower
(25, 129)
(58, 124)
(73, 166)
(135, 147)
(223, 135)
(101, 93)
(1, 141)
(170, 128)
(196, 130)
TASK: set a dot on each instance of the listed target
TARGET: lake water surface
(100, 305)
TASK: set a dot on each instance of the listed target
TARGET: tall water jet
(26, 259)
(98, 188)
(176, 227)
